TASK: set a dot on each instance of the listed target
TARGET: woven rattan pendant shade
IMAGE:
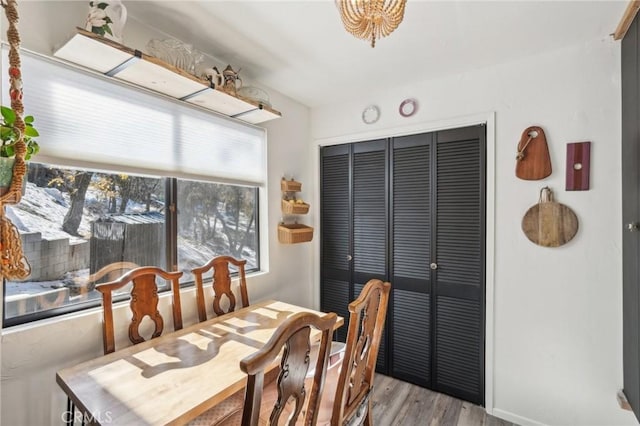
(371, 19)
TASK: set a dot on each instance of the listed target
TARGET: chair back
(111, 271)
(366, 322)
(221, 285)
(144, 301)
(294, 335)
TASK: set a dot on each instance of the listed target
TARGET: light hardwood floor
(400, 403)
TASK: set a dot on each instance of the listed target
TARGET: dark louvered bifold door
(335, 291)
(411, 210)
(459, 254)
(370, 220)
(410, 322)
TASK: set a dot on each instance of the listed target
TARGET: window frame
(171, 242)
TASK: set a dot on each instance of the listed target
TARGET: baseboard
(514, 418)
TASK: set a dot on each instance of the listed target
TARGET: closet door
(411, 210)
(631, 214)
(410, 320)
(370, 201)
(335, 240)
(369, 211)
(458, 263)
(354, 200)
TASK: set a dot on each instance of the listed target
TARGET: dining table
(173, 378)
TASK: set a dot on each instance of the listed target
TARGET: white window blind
(83, 118)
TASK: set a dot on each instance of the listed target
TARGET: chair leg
(71, 411)
(368, 420)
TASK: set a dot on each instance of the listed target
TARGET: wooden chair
(347, 397)
(144, 301)
(294, 335)
(221, 285)
(285, 394)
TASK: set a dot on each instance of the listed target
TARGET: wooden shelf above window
(133, 66)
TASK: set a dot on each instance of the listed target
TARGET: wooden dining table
(176, 377)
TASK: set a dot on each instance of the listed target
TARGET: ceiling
(301, 49)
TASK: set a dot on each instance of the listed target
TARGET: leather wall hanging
(578, 165)
(533, 161)
(549, 224)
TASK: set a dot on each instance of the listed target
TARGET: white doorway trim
(488, 119)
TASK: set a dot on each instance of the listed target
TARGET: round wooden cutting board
(550, 224)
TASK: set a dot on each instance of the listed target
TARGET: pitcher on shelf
(107, 18)
(227, 81)
(231, 79)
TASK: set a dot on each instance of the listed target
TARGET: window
(216, 219)
(80, 228)
(122, 158)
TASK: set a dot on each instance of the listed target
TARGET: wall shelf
(293, 233)
(133, 66)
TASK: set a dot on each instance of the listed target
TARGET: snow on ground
(43, 210)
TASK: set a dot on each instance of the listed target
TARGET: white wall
(557, 332)
(557, 335)
(31, 354)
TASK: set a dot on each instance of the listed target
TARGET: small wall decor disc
(408, 107)
(371, 114)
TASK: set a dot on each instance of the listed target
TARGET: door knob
(633, 227)
(434, 266)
